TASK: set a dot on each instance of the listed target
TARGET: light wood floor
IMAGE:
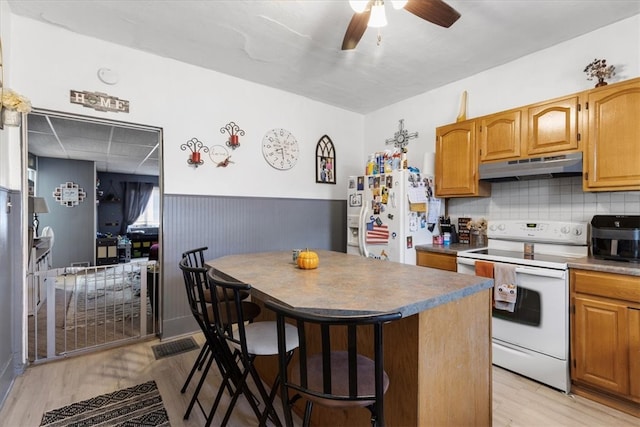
(517, 401)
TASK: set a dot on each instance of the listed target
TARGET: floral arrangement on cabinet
(598, 69)
(13, 106)
(12, 100)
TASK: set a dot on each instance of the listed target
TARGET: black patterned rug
(140, 405)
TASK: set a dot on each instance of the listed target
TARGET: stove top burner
(554, 261)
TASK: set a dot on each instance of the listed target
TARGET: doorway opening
(95, 218)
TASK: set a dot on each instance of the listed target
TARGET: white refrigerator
(389, 214)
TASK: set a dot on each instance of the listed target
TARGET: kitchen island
(438, 356)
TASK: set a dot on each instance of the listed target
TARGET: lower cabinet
(436, 260)
(605, 338)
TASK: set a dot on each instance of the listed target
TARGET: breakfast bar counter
(438, 356)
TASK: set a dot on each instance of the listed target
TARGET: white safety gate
(78, 309)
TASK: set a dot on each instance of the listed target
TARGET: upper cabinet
(552, 127)
(536, 130)
(612, 150)
(500, 136)
(457, 161)
(602, 123)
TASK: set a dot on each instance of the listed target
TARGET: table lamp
(39, 206)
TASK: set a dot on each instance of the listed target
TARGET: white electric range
(533, 340)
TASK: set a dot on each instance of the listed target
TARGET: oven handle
(556, 274)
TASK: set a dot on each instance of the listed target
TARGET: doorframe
(26, 223)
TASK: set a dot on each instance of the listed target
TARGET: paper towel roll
(429, 164)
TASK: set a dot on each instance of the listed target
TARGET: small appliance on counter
(616, 237)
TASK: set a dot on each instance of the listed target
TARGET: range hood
(535, 168)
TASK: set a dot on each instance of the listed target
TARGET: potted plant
(598, 69)
(13, 106)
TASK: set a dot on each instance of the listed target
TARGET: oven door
(540, 321)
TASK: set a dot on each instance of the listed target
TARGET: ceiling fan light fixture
(358, 6)
(378, 18)
(398, 4)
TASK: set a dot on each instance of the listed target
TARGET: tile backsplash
(559, 199)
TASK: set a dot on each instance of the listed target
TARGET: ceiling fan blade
(435, 11)
(356, 29)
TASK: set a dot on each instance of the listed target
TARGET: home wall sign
(69, 194)
(99, 101)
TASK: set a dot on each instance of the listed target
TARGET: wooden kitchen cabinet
(552, 127)
(456, 165)
(500, 136)
(605, 338)
(436, 260)
(612, 151)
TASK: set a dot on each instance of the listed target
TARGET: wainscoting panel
(11, 313)
(232, 225)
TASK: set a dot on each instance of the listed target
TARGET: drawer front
(435, 260)
(607, 285)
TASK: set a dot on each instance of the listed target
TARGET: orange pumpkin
(308, 260)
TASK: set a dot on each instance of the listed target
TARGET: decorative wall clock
(280, 149)
(69, 194)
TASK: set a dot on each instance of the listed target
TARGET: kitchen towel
(484, 269)
(505, 291)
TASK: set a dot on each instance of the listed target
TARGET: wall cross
(401, 137)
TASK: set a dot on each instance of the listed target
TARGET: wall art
(325, 161)
(69, 194)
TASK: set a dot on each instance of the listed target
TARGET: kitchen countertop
(348, 282)
(584, 263)
(616, 267)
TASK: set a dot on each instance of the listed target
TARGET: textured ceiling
(115, 149)
(294, 45)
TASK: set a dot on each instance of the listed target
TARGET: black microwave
(616, 237)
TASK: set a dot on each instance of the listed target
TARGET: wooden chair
(339, 376)
(195, 279)
(245, 342)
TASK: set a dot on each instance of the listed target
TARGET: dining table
(437, 356)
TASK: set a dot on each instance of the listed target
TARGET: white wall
(10, 177)
(187, 102)
(546, 74)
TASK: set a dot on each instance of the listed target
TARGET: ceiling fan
(371, 13)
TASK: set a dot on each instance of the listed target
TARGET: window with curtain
(150, 216)
(136, 198)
